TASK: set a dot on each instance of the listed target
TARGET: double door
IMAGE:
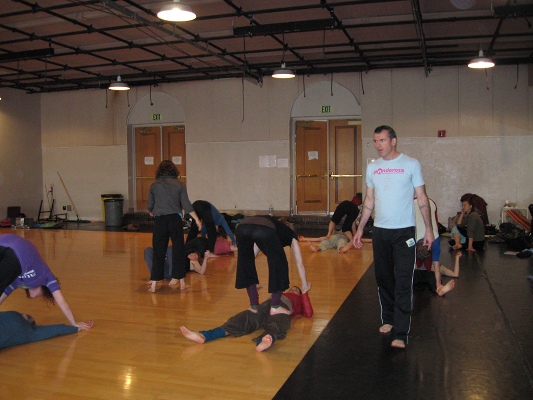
(152, 145)
(327, 164)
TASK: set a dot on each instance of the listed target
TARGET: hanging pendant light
(119, 85)
(283, 73)
(481, 62)
(176, 12)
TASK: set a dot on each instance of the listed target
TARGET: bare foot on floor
(152, 286)
(192, 335)
(174, 282)
(385, 328)
(279, 310)
(397, 343)
(457, 246)
(446, 288)
(265, 343)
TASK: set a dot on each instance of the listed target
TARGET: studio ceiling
(58, 45)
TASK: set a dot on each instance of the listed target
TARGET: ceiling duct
(26, 55)
(285, 27)
(525, 10)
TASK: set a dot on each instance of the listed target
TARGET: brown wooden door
(147, 159)
(174, 148)
(153, 144)
(345, 161)
(311, 166)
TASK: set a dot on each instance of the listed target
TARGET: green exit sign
(325, 109)
(156, 117)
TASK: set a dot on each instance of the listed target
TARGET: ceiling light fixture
(481, 62)
(176, 12)
(119, 85)
(283, 73)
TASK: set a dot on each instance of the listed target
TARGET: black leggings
(10, 267)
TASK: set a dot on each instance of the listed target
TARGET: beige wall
(21, 172)
(225, 135)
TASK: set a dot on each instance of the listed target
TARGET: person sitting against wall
(471, 221)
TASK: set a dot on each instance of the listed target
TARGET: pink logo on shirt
(381, 171)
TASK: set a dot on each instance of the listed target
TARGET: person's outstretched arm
(3, 296)
(62, 303)
(297, 254)
(425, 210)
(197, 219)
(368, 207)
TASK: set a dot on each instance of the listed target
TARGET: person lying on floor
(275, 326)
(425, 269)
(338, 240)
(196, 251)
(17, 328)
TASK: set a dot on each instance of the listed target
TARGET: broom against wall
(72, 202)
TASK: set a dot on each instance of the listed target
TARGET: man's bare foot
(397, 343)
(173, 282)
(279, 310)
(313, 248)
(457, 246)
(446, 288)
(385, 328)
(265, 343)
(192, 335)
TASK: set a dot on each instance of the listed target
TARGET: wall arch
(343, 102)
(162, 103)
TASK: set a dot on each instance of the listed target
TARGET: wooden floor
(135, 350)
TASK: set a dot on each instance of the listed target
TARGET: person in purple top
(21, 266)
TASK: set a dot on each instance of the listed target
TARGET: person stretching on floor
(275, 326)
(17, 328)
(268, 235)
(425, 270)
(337, 240)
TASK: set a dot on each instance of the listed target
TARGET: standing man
(392, 182)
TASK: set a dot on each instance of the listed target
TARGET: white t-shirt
(394, 183)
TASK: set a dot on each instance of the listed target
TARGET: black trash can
(113, 209)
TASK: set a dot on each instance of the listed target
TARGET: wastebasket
(113, 209)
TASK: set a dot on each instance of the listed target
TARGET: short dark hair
(299, 290)
(167, 168)
(390, 131)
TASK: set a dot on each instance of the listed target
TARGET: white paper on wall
(267, 161)
(312, 155)
(283, 163)
(148, 160)
(177, 160)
